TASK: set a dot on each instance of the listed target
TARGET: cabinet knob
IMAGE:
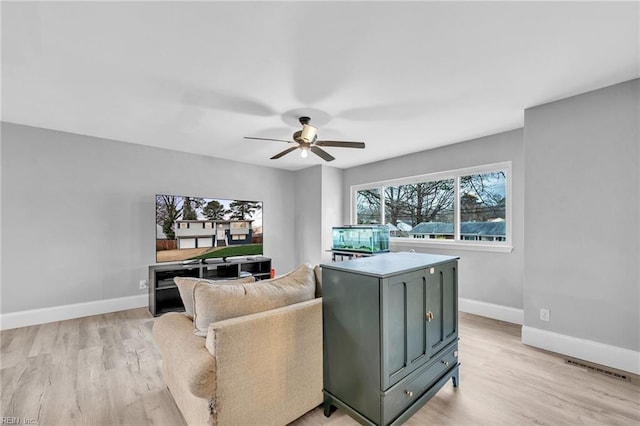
(429, 316)
(445, 362)
(409, 393)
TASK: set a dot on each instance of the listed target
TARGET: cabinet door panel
(434, 310)
(416, 326)
(404, 325)
(442, 302)
(396, 327)
(449, 302)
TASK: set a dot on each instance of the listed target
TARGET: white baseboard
(65, 312)
(489, 310)
(587, 350)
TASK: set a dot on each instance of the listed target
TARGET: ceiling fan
(307, 140)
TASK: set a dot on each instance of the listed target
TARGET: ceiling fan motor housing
(308, 133)
(310, 136)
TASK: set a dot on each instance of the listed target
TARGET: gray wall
(483, 276)
(78, 213)
(582, 214)
(308, 213)
(331, 207)
(318, 208)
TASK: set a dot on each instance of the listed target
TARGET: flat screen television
(197, 228)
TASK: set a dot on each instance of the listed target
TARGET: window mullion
(456, 208)
(382, 206)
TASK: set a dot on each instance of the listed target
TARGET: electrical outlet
(545, 314)
(143, 284)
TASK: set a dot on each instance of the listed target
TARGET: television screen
(197, 228)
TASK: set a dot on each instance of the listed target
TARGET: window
(483, 207)
(467, 206)
(368, 202)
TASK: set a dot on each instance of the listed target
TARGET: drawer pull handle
(445, 362)
(409, 393)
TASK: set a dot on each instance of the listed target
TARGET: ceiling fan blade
(283, 153)
(341, 144)
(268, 139)
(322, 153)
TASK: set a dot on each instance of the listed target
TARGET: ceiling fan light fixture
(304, 152)
(308, 133)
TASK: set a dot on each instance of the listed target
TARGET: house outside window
(468, 206)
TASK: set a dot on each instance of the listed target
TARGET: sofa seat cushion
(186, 285)
(215, 302)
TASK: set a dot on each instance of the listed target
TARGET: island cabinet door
(403, 331)
(441, 306)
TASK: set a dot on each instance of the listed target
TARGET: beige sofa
(262, 368)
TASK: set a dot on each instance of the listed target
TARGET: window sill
(395, 243)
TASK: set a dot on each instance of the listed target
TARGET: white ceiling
(400, 76)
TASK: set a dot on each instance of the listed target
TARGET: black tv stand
(163, 292)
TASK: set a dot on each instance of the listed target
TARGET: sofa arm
(265, 359)
(185, 358)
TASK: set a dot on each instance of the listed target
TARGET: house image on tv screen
(192, 234)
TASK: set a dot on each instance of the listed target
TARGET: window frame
(457, 243)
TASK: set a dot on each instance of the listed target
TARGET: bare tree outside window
(368, 207)
(416, 203)
(483, 207)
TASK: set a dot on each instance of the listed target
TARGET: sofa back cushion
(214, 302)
(186, 286)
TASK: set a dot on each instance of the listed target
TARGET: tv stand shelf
(163, 292)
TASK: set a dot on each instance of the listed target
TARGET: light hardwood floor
(105, 370)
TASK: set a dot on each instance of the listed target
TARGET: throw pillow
(219, 302)
(187, 284)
